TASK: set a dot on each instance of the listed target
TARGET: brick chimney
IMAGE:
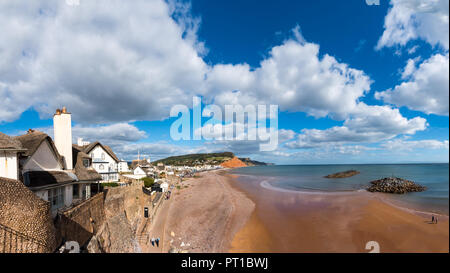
(62, 126)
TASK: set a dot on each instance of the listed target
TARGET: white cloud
(416, 19)
(114, 132)
(294, 77)
(108, 134)
(426, 90)
(107, 61)
(369, 124)
(400, 144)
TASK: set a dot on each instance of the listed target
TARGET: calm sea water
(311, 177)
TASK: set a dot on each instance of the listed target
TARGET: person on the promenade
(157, 242)
(153, 241)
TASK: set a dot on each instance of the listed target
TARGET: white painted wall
(43, 159)
(68, 195)
(164, 186)
(123, 166)
(109, 164)
(43, 194)
(62, 125)
(9, 164)
(139, 171)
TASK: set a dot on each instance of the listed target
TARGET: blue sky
(354, 83)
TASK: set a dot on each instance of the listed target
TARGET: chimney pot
(64, 110)
(58, 111)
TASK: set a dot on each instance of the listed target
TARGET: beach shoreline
(342, 222)
(218, 212)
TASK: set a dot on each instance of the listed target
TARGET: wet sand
(219, 213)
(287, 221)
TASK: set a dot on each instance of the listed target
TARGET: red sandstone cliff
(233, 163)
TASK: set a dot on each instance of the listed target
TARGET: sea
(310, 178)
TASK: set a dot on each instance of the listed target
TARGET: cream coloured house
(122, 167)
(9, 160)
(55, 171)
(104, 161)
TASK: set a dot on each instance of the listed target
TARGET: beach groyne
(394, 185)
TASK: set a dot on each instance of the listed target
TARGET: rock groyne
(395, 185)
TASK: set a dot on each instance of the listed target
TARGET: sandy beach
(344, 222)
(203, 215)
(219, 213)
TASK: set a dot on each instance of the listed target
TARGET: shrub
(148, 181)
(111, 184)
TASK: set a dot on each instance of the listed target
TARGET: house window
(76, 191)
(103, 156)
(86, 163)
(92, 155)
(56, 198)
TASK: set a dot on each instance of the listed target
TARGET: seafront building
(104, 161)
(122, 166)
(56, 171)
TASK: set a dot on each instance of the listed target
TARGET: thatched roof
(108, 149)
(9, 143)
(33, 139)
(46, 178)
(83, 173)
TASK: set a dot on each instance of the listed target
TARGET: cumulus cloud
(294, 77)
(108, 61)
(369, 124)
(416, 19)
(114, 132)
(108, 134)
(400, 144)
(426, 88)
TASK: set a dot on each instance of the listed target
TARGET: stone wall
(83, 221)
(124, 209)
(28, 215)
(127, 179)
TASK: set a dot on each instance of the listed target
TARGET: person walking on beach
(435, 219)
(432, 219)
(157, 242)
(153, 241)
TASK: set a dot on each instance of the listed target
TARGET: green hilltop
(196, 159)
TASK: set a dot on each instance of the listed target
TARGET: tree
(148, 181)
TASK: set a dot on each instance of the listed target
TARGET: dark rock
(342, 174)
(395, 185)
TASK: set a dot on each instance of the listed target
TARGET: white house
(139, 171)
(122, 167)
(9, 160)
(144, 171)
(52, 170)
(164, 186)
(104, 161)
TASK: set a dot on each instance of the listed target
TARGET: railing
(12, 241)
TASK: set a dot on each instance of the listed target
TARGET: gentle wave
(265, 184)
